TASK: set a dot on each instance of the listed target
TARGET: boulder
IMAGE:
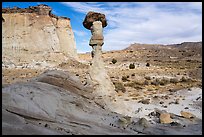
(187, 115)
(143, 122)
(165, 118)
(65, 80)
(144, 101)
(141, 125)
(92, 17)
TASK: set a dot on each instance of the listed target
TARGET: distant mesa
(184, 45)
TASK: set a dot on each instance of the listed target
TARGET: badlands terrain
(171, 84)
(47, 90)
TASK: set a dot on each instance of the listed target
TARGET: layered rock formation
(95, 22)
(44, 106)
(31, 32)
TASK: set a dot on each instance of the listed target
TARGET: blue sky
(131, 22)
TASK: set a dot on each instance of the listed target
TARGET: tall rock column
(97, 73)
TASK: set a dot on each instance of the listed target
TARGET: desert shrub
(150, 89)
(114, 61)
(124, 79)
(128, 76)
(119, 87)
(132, 66)
(184, 79)
(25, 50)
(174, 80)
(30, 24)
(138, 82)
(147, 77)
(176, 101)
(155, 82)
(146, 82)
(135, 84)
(133, 74)
(148, 65)
(164, 81)
(144, 101)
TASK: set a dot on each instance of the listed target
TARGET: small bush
(146, 82)
(132, 66)
(150, 89)
(184, 79)
(164, 81)
(161, 83)
(114, 61)
(148, 65)
(155, 82)
(133, 74)
(135, 84)
(119, 87)
(174, 80)
(147, 77)
(124, 79)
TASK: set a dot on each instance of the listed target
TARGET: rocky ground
(160, 93)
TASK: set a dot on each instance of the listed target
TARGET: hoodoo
(95, 22)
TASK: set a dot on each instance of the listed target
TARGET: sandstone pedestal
(104, 88)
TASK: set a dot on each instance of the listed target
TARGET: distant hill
(188, 45)
(184, 45)
(137, 46)
(195, 47)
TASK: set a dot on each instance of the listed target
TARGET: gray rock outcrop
(45, 106)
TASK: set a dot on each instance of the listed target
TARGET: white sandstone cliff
(28, 33)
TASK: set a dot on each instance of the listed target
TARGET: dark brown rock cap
(94, 16)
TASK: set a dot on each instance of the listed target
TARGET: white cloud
(148, 22)
(84, 7)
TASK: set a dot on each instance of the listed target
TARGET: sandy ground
(190, 100)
